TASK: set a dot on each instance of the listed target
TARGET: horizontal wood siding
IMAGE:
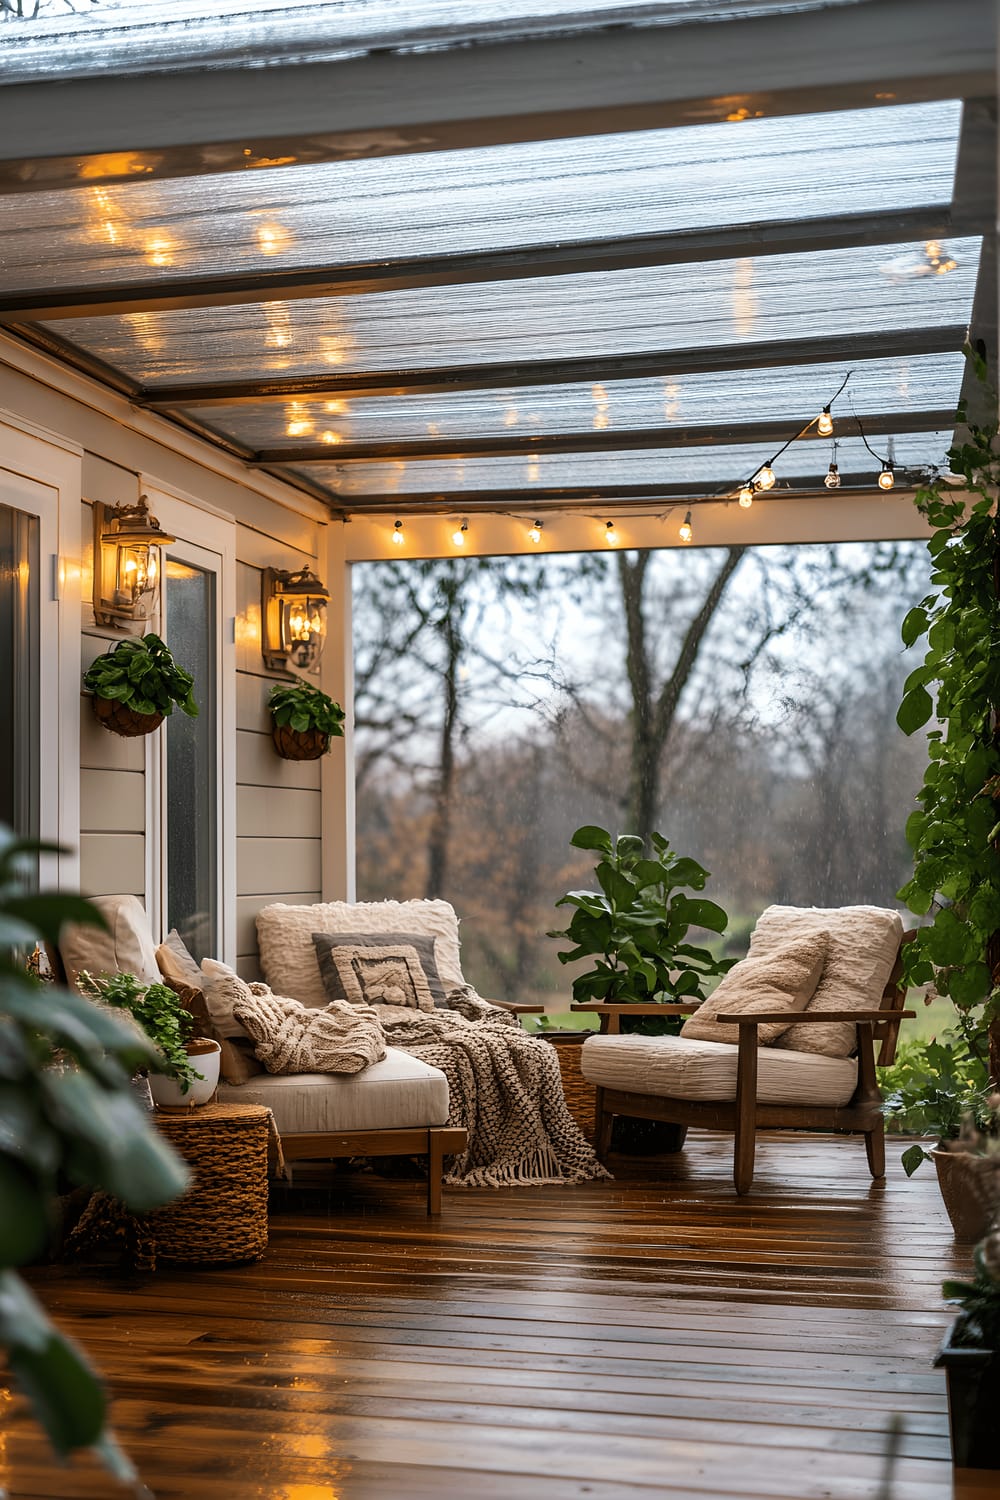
(112, 864)
(279, 809)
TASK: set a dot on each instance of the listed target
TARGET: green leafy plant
(160, 1013)
(940, 1089)
(141, 673)
(979, 1299)
(67, 1116)
(636, 925)
(955, 834)
(302, 707)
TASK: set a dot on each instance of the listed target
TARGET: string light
(686, 532)
(397, 534)
(458, 536)
(746, 496)
(764, 477)
(832, 477)
(610, 534)
(535, 532)
(824, 423)
(887, 478)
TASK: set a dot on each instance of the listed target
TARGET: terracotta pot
(973, 1377)
(299, 744)
(959, 1179)
(122, 720)
(167, 1093)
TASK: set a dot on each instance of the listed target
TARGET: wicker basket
(299, 744)
(579, 1092)
(122, 720)
(223, 1214)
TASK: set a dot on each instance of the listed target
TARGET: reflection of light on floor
(6, 1400)
(306, 1492)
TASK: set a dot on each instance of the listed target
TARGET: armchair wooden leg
(435, 1170)
(746, 1110)
(603, 1124)
(875, 1148)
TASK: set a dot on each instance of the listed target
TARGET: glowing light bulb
(887, 478)
(458, 536)
(610, 534)
(535, 533)
(832, 477)
(824, 423)
(397, 534)
(686, 532)
(764, 478)
(746, 496)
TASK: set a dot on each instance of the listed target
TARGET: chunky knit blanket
(293, 1038)
(506, 1091)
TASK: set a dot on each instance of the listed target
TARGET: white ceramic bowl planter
(167, 1092)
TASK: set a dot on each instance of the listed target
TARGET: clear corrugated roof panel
(707, 470)
(668, 308)
(544, 192)
(73, 40)
(921, 383)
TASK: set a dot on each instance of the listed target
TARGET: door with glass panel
(19, 670)
(191, 842)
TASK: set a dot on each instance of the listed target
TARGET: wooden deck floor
(651, 1336)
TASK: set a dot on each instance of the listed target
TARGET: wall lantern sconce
(293, 618)
(127, 542)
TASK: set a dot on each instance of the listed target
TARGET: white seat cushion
(674, 1067)
(398, 1092)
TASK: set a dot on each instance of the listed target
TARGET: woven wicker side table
(580, 1094)
(223, 1214)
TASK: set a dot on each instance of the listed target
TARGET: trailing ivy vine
(955, 833)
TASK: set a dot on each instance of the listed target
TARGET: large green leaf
(63, 1391)
(592, 837)
(915, 709)
(24, 1220)
(48, 911)
(617, 886)
(701, 913)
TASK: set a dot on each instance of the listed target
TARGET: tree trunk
(653, 719)
(439, 838)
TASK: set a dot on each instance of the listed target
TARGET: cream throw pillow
(176, 963)
(222, 988)
(864, 943)
(127, 946)
(785, 979)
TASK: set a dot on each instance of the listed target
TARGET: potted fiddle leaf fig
(303, 721)
(136, 684)
(635, 930)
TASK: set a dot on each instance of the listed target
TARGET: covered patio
(338, 286)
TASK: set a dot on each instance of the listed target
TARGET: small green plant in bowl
(136, 685)
(159, 1012)
(304, 720)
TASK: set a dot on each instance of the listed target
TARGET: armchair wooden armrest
(519, 1008)
(760, 1018)
(611, 1011)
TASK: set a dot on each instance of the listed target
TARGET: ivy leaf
(591, 837)
(912, 1158)
(914, 625)
(915, 709)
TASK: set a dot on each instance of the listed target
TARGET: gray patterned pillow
(382, 976)
(326, 942)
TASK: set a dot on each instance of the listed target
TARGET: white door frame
(41, 474)
(207, 540)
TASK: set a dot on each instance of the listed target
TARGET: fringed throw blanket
(293, 1038)
(506, 1091)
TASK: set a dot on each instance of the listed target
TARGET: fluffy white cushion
(127, 948)
(783, 980)
(864, 942)
(288, 957)
(675, 1067)
(398, 1092)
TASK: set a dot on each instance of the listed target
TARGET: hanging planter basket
(121, 719)
(299, 744)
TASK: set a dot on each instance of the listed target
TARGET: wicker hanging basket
(299, 744)
(121, 719)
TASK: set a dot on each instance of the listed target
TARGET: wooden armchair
(742, 1111)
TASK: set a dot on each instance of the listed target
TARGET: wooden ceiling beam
(608, 440)
(586, 257)
(905, 343)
